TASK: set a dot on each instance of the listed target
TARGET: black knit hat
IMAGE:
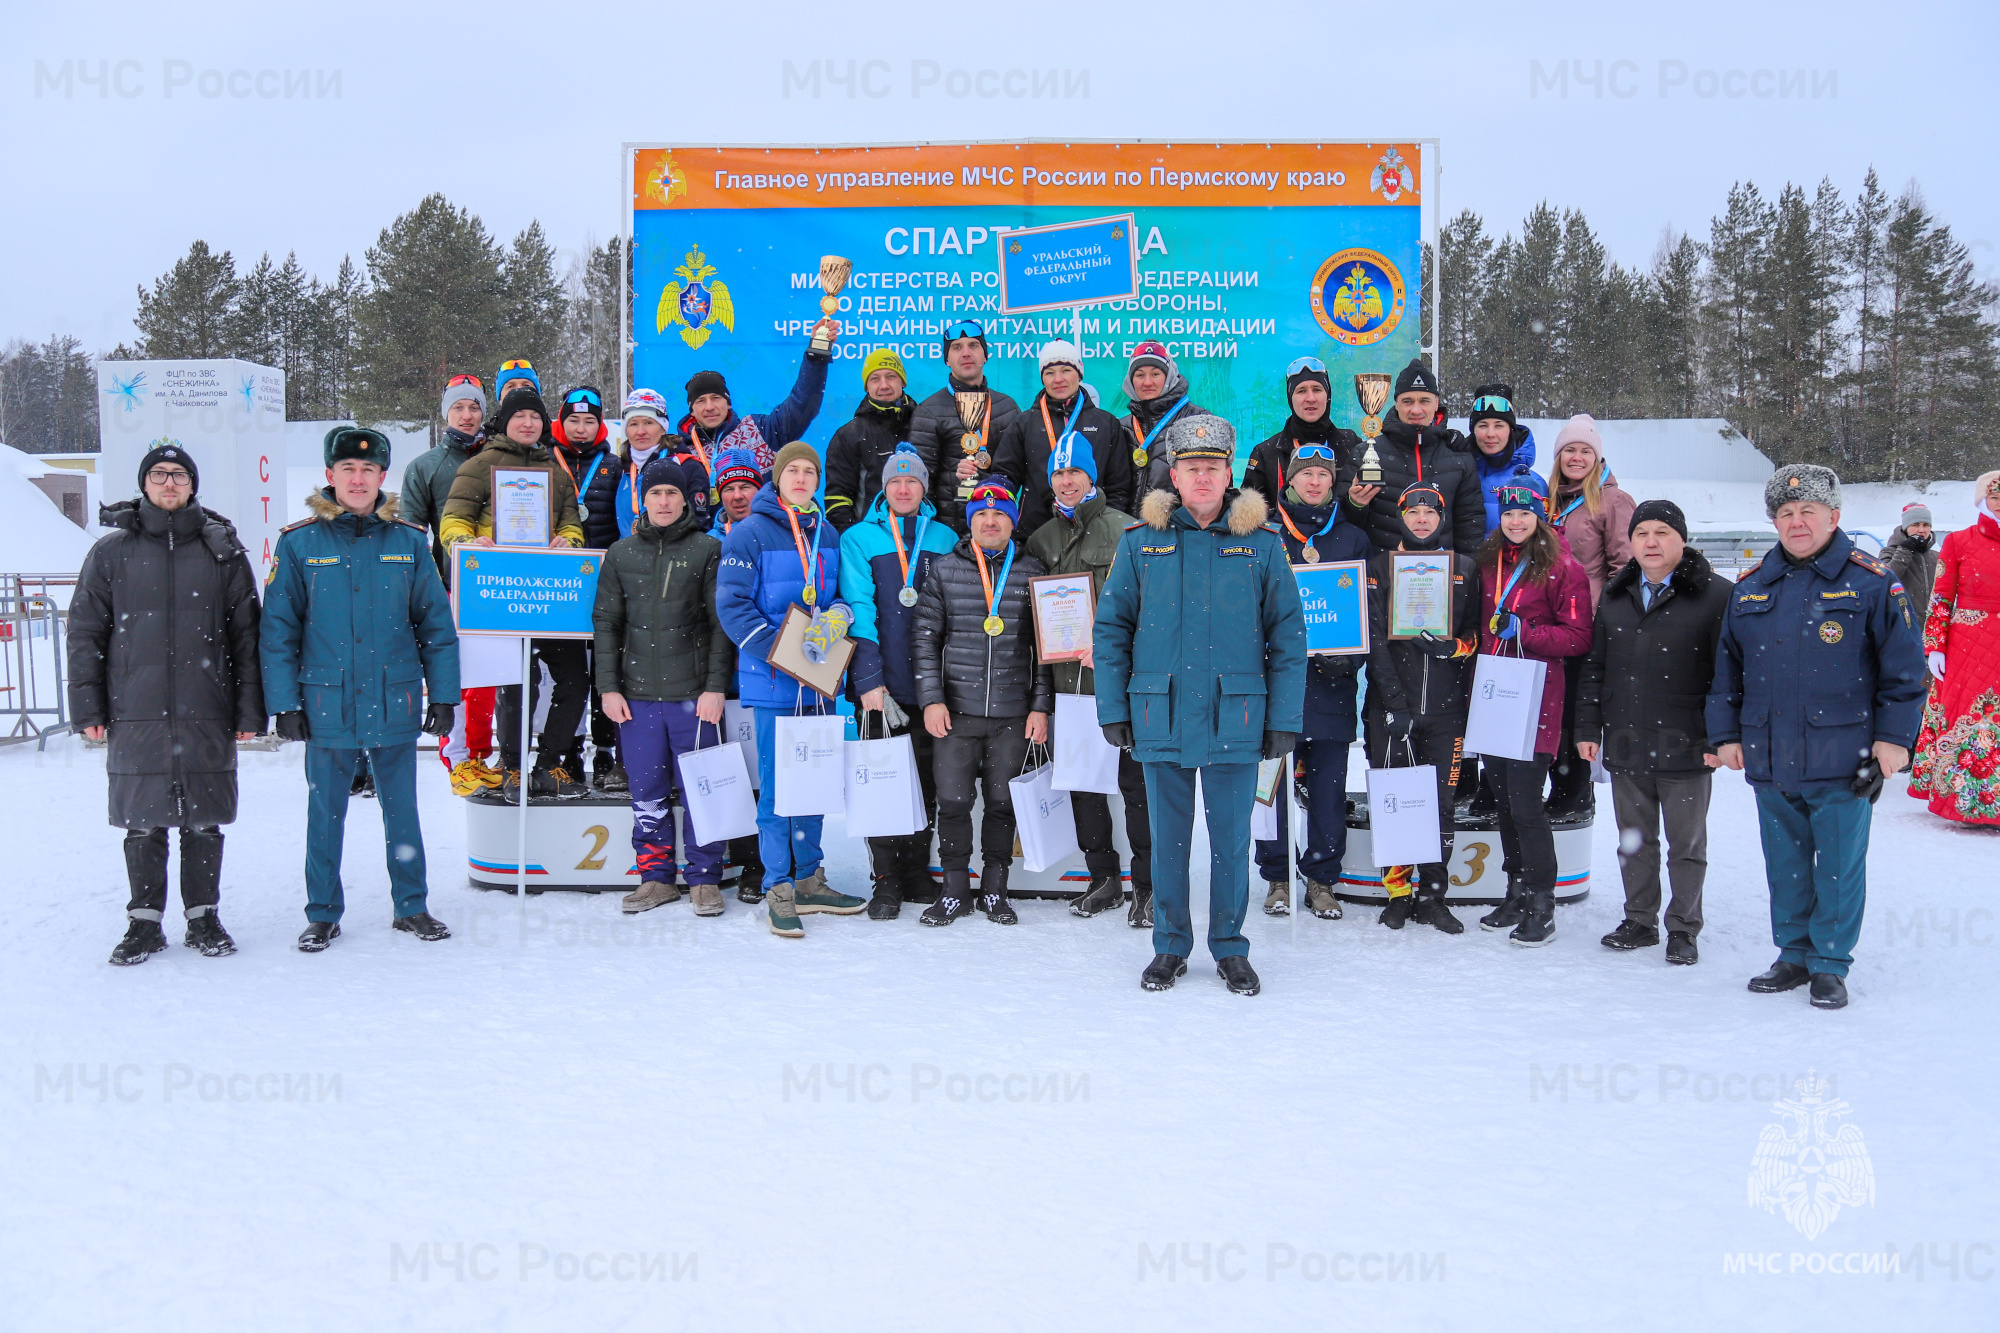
(1417, 378)
(583, 399)
(1315, 372)
(520, 400)
(662, 470)
(169, 451)
(1492, 402)
(1658, 511)
(706, 382)
(370, 446)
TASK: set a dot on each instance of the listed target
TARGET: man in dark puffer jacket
(984, 698)
(857, 451)
(1414, 446)
(163, 658)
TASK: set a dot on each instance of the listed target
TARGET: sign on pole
(536, 592)
(1334, 598)
(1068, 264)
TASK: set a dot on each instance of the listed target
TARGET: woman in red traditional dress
(1957, 767)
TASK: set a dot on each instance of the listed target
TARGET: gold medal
(1139, 457)
(810, 595)
(995, 626)
(1309, 555)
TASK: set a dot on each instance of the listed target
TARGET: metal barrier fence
(33, 623)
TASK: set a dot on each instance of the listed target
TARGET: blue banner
(1070, 264)
(544, 594)
(1335, 601)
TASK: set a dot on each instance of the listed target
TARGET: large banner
(1249, 255)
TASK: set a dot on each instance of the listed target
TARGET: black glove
(292, 726)
(1278, 744)
(438, 720)
(1118, 734)
(1436, 645)
(1399, 724)
(1868, 780)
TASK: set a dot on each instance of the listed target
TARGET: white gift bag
(1403, 816)
(715, 787)
(884, 798)
(1085, 761)
(808, 765)
(740, 725)
(1043, 820)
(1264, 817)
(1506, 707)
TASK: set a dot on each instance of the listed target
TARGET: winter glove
(1505, 627)
(892, 713)
(828, 628)
(1278, 744)
(1432, 646)
(292, 727)
(438, 719)
(1936, 664)
(1118, 734)
(1868, 780)
(1399, 725)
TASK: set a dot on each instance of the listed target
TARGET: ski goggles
(506, 366)
(456, 380)
(1492, 402)
(1319, 453)
(1520, 497)
(584, 398)
(1304, 363)
(964, 328)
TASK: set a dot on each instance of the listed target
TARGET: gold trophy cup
(833, 275)
(972, 412)
(1372, 391)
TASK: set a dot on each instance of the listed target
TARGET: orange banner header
(1048, 174)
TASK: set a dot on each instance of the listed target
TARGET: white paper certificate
(1420, 595)
(1065, 609)
(521, 506)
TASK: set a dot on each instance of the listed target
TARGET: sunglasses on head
(965, 328)
(1492, 403)
(584, 396)
(1305, 363)
(506, 366)
(457, 380)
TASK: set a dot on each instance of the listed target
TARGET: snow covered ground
(562, 1119)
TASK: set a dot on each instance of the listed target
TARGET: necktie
(1652, 590)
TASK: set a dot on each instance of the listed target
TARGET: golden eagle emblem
(695, 303)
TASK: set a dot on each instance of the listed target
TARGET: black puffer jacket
(1643, 690)
(657, 634)
(857, 451)
(935, 418)
(1416, 676)
(597, 502)
(163, 650)
(1264, 472)
(1438, 459)
(1023, 458)
(959, 664)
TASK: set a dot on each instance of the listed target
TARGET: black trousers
(1525, 838)
(146, 870)
(1569, 775)
(913, 851)
(1439, 741)
(1092, 811)
(980, 756)
(569, 664)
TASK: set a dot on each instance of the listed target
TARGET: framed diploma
(1334, 598)
(1065, 608)
(1420, 595)
(789, 656)
(521, 506)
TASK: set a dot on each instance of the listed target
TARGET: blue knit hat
(1072, 450)
(737, 465)
(1525, 490)
(906, 462)
(518, 369)
(992, 495)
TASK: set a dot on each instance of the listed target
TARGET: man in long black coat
(163, 663)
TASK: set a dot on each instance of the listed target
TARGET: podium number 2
(594, 858)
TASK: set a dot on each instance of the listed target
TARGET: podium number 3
(594, 858)
(1475, 864)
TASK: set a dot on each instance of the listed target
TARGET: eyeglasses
(160, 476)
(1305, 363)
(964, 328)
(1492, 403)
(1322, 452)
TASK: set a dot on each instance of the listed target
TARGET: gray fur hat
(1801, 481)
(1199, 437)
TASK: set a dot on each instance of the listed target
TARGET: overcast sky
(264, 127)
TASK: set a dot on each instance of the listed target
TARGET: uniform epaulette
(304, 522)
(1869, 563)
(415, 527)
(1136, 523)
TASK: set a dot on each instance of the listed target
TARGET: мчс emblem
(1807, 1167)
(697, 303)
(1829, 631)
(1357, 296)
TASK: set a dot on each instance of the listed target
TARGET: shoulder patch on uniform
(322, 559)
(1157, 550)
(1754, 597)
(1869, 563)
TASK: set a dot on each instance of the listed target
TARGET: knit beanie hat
(662, 470)
(521, 400)
(796, 450)
(1200, 437)
(906, 462)
(1150, 354)
(1309, 368)
(1417, 378)
(1421, 493)
(1581, 428)
(170, 451)
(883, 358)
(460, 388)
(1073, 451)
(1060, 352)
(516, 370)
(992, 495)
(1915, 512)
(1525, 490)
(706, 382)
(732, 465)
(646, 403)
(1316, 459)
(1658, 511)
(370, 446)
(1801, 481)
(583, 400)
(1492, 402)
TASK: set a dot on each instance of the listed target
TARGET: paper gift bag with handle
(1085, 761)
(715, 786)
(879, 778)
(1506, 707)
(1403, 824)
(811, 754)
(1043, 820)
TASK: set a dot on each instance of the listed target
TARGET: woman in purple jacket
(1535, 603)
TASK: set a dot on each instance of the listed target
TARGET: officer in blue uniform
(356, 625)
(1818, 692)
(1200, 650)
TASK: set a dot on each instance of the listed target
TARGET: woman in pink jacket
(1594, 517)
(1535, 602)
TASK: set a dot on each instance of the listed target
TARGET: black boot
(1570, 797)
(1238, 975)
(205, 933)
(423, 925)
(1680, 948)
(1828, 991)
(1400, 907)
(1538, 923)
(1105, 892)
(1632, 935)
(1782, 976)
(142, 939)
(1509, 913)
(1162, 972)
(1139, 915)
(317, 935)
(885, 899)
(913, 868)
(954, 900)
(1431, 910)
(993, 896)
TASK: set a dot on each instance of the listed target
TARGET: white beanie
(1060, 352)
